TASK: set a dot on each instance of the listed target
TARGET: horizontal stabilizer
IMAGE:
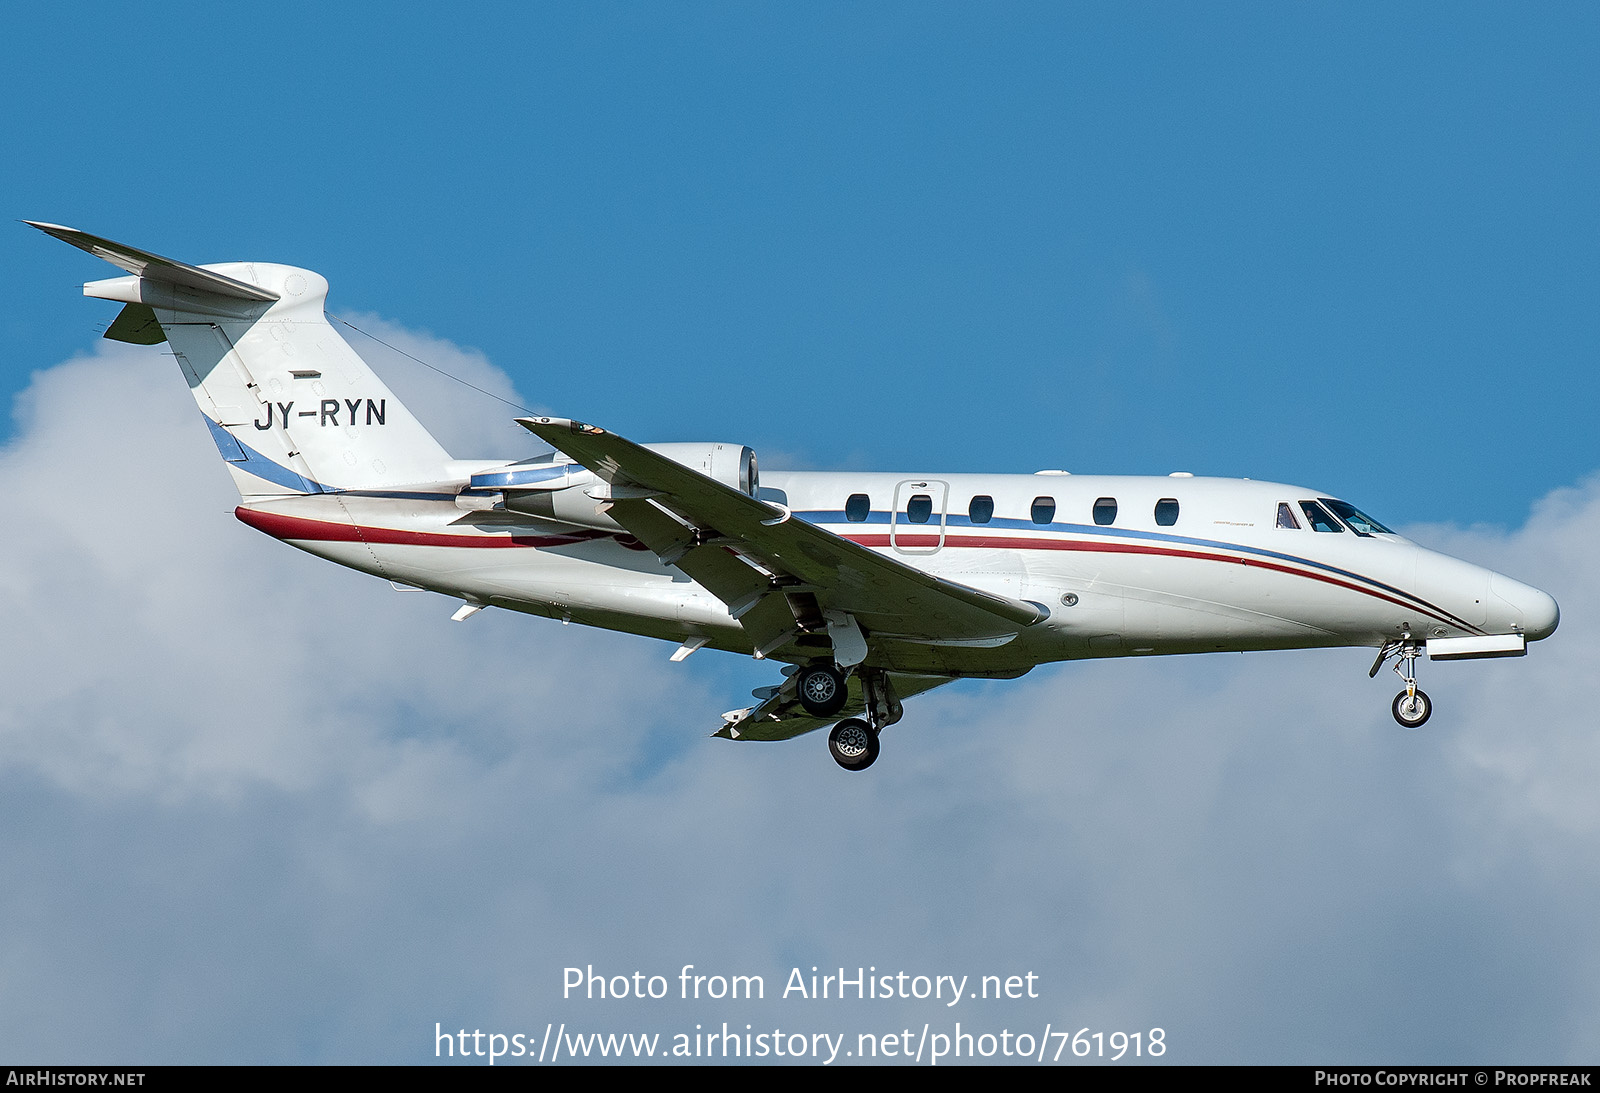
(153, 267)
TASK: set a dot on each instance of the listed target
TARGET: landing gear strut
(1412, 707)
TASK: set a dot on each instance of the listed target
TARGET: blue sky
(1350, 247)
(1346, 246)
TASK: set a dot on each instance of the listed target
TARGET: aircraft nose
(1536, 611)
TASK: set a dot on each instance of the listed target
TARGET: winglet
(153, 267)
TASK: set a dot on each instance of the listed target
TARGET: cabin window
(1286, 516)
(981, 510)
(1105, 511)
(1318, 517)
(1167, 511)
(1359, 522)
(919, 508)
(1044, 510)
(857, 508)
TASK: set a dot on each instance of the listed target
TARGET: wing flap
(766, 619)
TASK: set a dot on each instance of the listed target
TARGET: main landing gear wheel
(822, 690)
(1412, 710)
(853, 744)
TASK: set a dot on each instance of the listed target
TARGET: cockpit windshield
(1359, 522)
(1319, 519)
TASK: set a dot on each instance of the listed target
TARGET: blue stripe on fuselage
(956, 520)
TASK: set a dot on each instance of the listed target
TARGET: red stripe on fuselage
(996, 542)
(304, 530)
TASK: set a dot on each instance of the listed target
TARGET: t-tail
(291, 406)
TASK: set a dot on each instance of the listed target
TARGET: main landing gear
(1411, 707)
(853, 743)
(823, 692)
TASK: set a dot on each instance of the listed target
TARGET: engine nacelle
(572, 495)
(731, 464)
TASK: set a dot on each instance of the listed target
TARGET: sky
(256, 808)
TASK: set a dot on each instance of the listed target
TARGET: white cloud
(467, 403)
(262, 808)
(155, 642)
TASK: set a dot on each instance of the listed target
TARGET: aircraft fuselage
(1212, 571)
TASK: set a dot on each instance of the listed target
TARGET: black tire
(1412, 715)
(853, 744)
(822, 690)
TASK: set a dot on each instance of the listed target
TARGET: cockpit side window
(1359, 522)
(1318, 517)
(1286, 516)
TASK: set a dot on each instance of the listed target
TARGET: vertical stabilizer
(292, 408)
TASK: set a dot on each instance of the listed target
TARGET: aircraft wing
(779, 715)
(783, 579)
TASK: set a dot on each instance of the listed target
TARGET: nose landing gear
(1411, 707)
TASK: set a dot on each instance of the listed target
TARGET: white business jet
(868, 588)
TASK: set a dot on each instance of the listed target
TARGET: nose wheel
(1412, 707)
